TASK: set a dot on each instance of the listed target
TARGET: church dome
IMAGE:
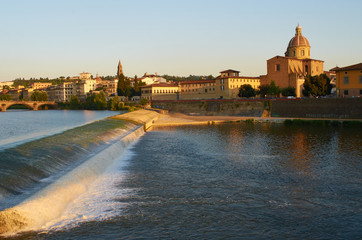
(298, 46)
(298, 39)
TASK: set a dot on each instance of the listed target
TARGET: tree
(39, 96)
(5, 97)
(121, 86)
(263, 90)
(137, 91)
(273, 89)
(288, 91)
(113, 103)
(144, 102)
(100, 101)
(247, 91)
(96, 101)
(317, 86)
(74, 102)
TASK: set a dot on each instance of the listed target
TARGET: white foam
(97, 203)
(45, 210)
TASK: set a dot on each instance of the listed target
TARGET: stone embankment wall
(253, 108)
(341, 108)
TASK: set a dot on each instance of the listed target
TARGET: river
(230, 181)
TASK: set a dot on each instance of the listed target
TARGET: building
(160, 91)
(291, 70)
(149, 79)
(119, 69)
(349, 80)
(40, 85)
(65, 91)
(228, 83)
(110, 86)
(226, 86)
(85, 76)
(84, 87)
(201, 89)
(3, 84)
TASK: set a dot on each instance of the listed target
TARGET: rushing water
(231, 181)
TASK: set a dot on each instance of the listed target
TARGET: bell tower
(119, 69)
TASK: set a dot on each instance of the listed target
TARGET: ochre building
(349, 80)
(226, 86)
(229, 82)
(291, 70)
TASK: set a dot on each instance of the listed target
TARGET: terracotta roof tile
(351, 67)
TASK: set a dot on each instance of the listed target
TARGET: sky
(52, 38)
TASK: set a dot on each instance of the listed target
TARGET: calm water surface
(233, 181)
(19, 126)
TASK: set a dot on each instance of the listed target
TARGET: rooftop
(357, 66)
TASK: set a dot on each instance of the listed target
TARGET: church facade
(291, 70)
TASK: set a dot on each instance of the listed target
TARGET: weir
(49, 203)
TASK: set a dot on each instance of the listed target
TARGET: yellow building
(228, 84)
(201, 89)
(291, 70)
(349, 80)
(160, 91)
(40, 85)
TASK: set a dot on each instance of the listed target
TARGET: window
(222, 81)
(302, 52)
(345, 92)
(277, 67)
(360, 79)
(346, 80)
(360, 92)
(222, 88)
(306, 68)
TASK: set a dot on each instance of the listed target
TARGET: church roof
(229, 70)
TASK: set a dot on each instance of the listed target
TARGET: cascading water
(40, 178)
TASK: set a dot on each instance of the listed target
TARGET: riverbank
(151, 118)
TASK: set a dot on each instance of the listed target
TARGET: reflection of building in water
(300, 158)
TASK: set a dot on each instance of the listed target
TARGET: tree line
(314, 86)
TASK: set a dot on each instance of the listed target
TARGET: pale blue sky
(63, 38)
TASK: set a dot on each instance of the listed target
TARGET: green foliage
(317, 86)
(263, 90)
(5, 97)
(114, 103)
(136, 87)
(74, 103)
(124, 86)
(96, 101)
(144, 102)
(288, 91)
(39, 96)
(273, 89)
(247, 91)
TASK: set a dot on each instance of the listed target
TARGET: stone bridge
(34, 105)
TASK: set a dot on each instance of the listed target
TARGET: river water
(230, 181)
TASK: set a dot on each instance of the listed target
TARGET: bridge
(34, 105)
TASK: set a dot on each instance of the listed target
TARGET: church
(290, 70)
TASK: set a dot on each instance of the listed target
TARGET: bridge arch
(34, 105)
